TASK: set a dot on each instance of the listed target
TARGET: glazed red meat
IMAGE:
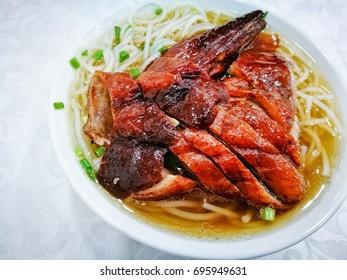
(230, 134)
(269, 84)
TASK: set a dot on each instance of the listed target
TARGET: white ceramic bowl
(313, 217)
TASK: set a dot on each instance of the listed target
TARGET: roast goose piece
(183, 106)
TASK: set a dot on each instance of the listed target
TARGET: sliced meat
(247, 153)
(265, 42)
(128, 166)
(164, 73)
(194, 102)
(122, 88)
(171, 186)
(100, 120)
(145, 122)
(106, 92)
(275, 170)
(269, 81)
(278, 172)
(179, 81)
(266, 127)
(238, 132)
(204, 169)
(214, 50)
(250, 188)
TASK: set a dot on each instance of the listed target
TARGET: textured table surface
(41, 217)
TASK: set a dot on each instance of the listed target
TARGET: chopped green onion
(88, 169)
(265, 14)
(267, 213)
(117, 35)
(78, 151)
(123, 55)
(158, 12)
(163, 49)
(100, 151)
(142, 47)
(98, 54)
(74, 63)
(135, 72)
(84, 53)
(85, 164)
(84, 119)
(129, 26)
(58, 105)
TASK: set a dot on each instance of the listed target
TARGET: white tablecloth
(41, 217)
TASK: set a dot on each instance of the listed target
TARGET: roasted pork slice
(272, 168)
(208, 174)
(266, 127)
(250, 188)
(269, 84)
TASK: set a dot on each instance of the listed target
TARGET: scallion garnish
(117, 35)
(129, 26)
(78, 151)
(100, 151)
(267, 214)
(58, 105)
(98, 54)
(123, 55)
(265, 14)
(84, 119)
(74, 63)
(135, 72)
(158, 12)
(88, 169)
(142, 47)
(163, 49)
(84, 53)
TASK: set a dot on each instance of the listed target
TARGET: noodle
(142, 36)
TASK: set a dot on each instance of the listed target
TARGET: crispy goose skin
(204, 169)
(250, 188)
(269, 84)
(266, 127)
(273, 168)
(278, 172)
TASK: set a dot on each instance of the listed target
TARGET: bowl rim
(171, 242)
